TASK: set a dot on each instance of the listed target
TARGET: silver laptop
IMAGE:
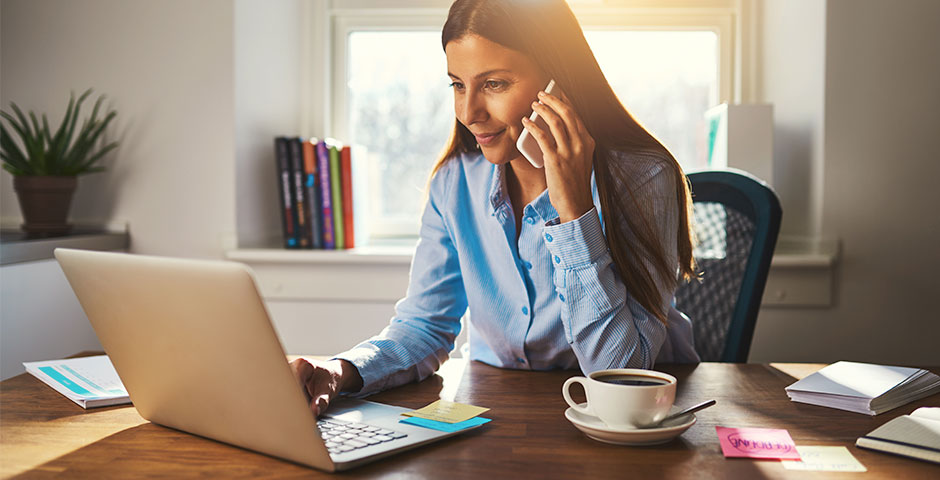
(195, 348)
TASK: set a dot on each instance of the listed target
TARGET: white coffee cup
(625, 398)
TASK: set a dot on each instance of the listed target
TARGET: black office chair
(737, 218)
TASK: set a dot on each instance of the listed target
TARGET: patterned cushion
(724, 239)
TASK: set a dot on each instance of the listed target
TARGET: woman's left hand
(568, 151)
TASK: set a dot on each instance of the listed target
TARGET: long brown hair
(548, 32)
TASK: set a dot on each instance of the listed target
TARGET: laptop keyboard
(342, 436)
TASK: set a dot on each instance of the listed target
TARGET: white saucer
(593, 427)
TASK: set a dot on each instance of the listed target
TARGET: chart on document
(87, 381)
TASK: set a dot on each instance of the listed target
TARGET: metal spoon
(687, 411)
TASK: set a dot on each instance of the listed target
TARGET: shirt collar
(497, 195)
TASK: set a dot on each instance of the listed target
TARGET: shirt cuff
(576, 243)
(360, 357)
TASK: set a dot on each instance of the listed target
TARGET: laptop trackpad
(354, 410)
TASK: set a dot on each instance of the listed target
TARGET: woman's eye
(494, 84)
(456, 85)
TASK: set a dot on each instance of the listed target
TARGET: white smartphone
(526, 144)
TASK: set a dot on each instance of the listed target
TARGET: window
(400, 111)
(390, 95)
(666, 79)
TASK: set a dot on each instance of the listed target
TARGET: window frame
(337, 19)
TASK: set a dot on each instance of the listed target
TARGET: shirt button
(530, 220)
(520, 360)
(528, 265)
(557, 259)
(561, 297)
(525, 310)
(548, 237)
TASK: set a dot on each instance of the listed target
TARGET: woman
(548, 283)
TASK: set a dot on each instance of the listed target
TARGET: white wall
(33, 327)
(792, 77)
(268, 72)
(881, 122)
(167, 68)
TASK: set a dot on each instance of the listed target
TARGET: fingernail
(525, 119)
(535, 104)
(541, 93)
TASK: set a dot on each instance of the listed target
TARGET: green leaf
(16, 167)
(15, 162)
(67, 151)
(24, 123)
(45, 131)
(95, 131)
(13, 170)
(40, 148)
(11, 152)
(61, 141)
(87, 164)
(37, 128)
(16, 126)
(94, 111)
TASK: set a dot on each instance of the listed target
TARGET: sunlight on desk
(798, 370)
(452, 373)
(28, 444)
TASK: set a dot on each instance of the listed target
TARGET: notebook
(88, 381)
(916, 435)
(864, 387)
(193, 345)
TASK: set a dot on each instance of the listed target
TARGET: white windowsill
(796, 252)
(375, 255)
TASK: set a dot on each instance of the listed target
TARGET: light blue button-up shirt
(551, 299)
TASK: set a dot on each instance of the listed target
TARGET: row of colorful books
(316, 198)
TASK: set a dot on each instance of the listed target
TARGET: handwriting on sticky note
(447, 412)
(824, 459)
(757, 443)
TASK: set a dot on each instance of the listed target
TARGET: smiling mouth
(488, 138)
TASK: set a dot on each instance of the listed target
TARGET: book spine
(312, 184)
(323, 166)
(348, 230)
(899, 448)
(336, 185)
(299, 197)
(284, 190)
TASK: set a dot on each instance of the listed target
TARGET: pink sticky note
(757, 443)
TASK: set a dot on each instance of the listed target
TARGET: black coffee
(632, 380)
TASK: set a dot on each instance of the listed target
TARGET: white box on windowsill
(742, 137)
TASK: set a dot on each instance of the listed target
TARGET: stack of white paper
(87, 381)
(864, 387)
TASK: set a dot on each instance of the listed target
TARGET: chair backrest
(736, 219)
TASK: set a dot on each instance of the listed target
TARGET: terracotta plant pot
(45, 202)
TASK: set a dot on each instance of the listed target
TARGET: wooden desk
(42, 434)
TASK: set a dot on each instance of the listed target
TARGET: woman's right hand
(323, 380)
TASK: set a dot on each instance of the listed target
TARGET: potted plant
(46, 165)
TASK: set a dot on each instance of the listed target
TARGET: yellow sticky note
(447, 412)
(824, 459)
